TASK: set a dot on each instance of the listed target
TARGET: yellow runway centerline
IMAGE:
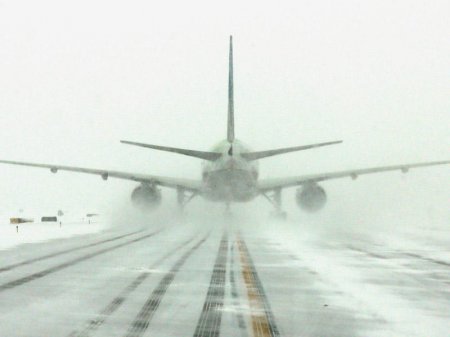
(260, 321)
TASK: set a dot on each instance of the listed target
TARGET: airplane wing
(187, 184)
(271, 184)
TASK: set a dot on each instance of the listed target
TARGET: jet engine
(311, 197)
(146, 197)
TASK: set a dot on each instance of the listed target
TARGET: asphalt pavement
(226, 279)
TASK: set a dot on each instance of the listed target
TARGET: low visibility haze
(77, 77)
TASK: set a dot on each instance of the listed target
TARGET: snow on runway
(226, 280)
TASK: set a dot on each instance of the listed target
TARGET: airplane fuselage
(229, 171)
(230, 178)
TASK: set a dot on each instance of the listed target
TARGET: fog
(77, 77)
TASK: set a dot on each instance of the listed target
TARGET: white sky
(78, 76)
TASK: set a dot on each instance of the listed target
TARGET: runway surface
(226, 279)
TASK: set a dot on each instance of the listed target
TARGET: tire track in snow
(211, 317)
(145, 315)
(66, 251)
(54, 269)
(112, 307)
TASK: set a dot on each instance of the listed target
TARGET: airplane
(230, 172)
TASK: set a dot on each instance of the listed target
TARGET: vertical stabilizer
(230, 129)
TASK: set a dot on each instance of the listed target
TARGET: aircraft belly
(230, 185)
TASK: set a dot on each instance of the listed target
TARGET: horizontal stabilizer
(269, 153)
(191, 153)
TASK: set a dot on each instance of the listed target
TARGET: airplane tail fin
(270, 153)
(211, 156)
(230, 127)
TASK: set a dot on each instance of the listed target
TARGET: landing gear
(275, 200)
(183, 199)
(227, 212)
(180, 198)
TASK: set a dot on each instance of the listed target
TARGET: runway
(226, 279)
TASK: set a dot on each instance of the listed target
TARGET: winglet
(230, 129)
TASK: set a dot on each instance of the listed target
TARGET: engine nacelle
(311, 197)
(146, 197)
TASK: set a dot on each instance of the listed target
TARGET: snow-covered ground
(306, 278)
(37, 231)
(385, 281)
